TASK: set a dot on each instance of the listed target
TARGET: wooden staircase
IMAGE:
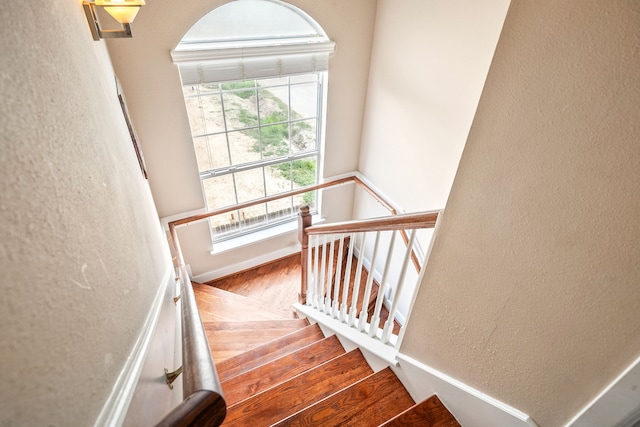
(279, 371)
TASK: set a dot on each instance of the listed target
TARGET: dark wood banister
(204, 404)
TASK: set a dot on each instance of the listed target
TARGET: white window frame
(224, 62)
(237, 229)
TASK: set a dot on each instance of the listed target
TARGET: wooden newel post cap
(304, 210)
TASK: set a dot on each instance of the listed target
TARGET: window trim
(217, 51)
(222, 61)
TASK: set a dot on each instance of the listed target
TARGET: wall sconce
(124, 11)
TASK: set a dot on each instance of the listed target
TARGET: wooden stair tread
(429, 413)
(266, 376)
(369, 402)
(260, 355)
(299, 392)
(256, 325)
(219, 305)
(228, 339)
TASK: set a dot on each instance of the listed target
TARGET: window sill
(259, 236)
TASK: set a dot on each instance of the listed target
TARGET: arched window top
(249, 39)
(254, 22)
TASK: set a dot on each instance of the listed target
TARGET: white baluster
(388, 326)
(327, 300)
(347, 279)
(323, 272)
(335, 305)
(375, 319)
(367, 290)
(311, 270)
(356, 283)
(316, 276)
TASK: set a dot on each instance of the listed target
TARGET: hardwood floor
(275, 370)
(277, 283)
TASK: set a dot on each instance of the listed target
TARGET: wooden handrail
(393, 211)
(204, 403)
(335, 182)
(399, 223)
(261, 200)
(395, 222)
(304, 222)
(199, 409)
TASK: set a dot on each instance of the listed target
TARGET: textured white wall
(429, 62)
(152, 84)
(531, 294)
(81, 253)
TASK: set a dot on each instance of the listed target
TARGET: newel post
(304, 221)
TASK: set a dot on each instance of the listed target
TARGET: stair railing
(337, 257)
(203, 403)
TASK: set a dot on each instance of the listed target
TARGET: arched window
(254, 75)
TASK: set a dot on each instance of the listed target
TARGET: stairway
(278, 371)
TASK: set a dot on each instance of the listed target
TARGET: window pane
(279, 209)
(274, 105)
(224, 223)
(205, 114)
(240, 109)
(275, 140)
(304, 100)
(303, 136)
(211, 152)
(219, 192)
(253, 216)
(249, 185)
(219, 150)
(278, 178)
(303, 172)
(244, 149)
(247, 21)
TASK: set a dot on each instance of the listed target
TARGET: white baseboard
(617, 405)
(115, 408)
(471, 407)
(245, 265)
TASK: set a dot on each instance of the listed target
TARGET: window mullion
(255, 82)
(256, 165)
(226, 130)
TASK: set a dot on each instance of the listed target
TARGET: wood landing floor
(277, 282)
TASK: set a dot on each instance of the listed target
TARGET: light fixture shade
(123, 11)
